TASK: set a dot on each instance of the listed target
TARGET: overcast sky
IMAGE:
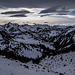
(38, 11)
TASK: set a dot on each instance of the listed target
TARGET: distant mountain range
(33, 43)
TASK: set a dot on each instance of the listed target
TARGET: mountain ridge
(32, 43)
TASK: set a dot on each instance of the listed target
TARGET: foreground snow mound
(33, 43)
(63, 64)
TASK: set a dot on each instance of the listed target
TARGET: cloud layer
(72, 13)
(36, 3)
(16, 12)
(56, 9)
(51, 11)
(18, 15)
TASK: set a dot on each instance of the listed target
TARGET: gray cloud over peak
(16, 12)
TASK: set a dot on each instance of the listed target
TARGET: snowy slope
(10, 67)
(63, 64)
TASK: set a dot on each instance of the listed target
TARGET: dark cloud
(63, 11)
(46, 22)
(61, 14)
(56, 9)
(72, 13)
(16, 12)
(36, 3)
(59, 10)
(45, 15)
(50, 10)
(18, 15)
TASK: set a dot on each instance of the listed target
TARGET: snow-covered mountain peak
(37, 41)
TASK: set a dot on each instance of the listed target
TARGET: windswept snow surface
(63, 64)
(11, 67)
